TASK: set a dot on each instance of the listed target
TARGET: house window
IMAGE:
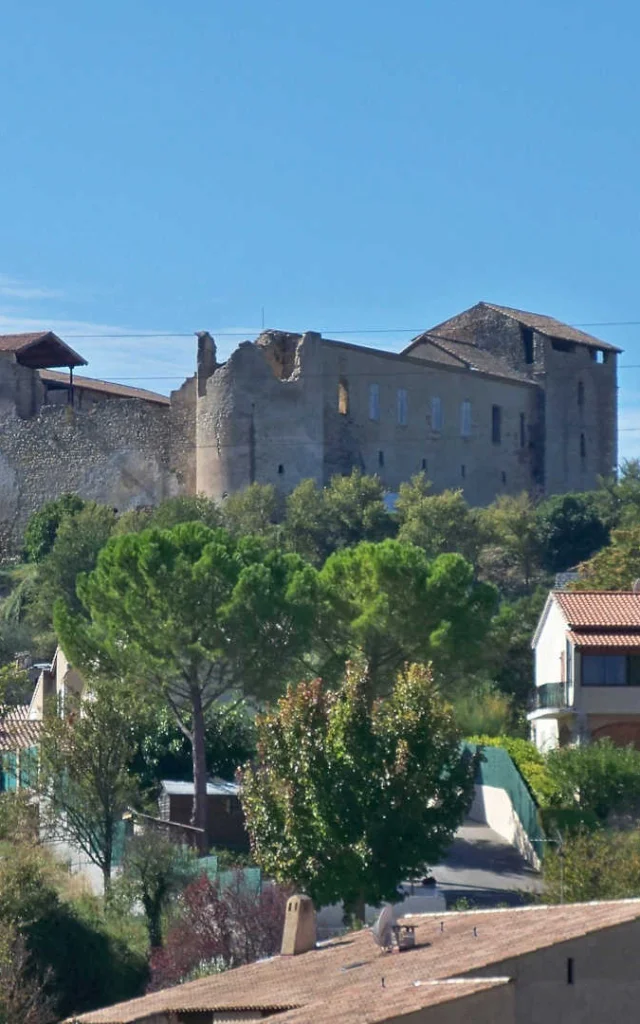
(496, 424)
(403, 407)
(523, 435)
(343, 397)
(381, 458)
(598, 355)
(583, 447)
(580, 394)
(562, 345)
(465, 419)
(374, 401)
(604, 670)
(436, 413)
(527, 343)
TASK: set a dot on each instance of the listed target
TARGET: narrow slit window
(343, 397)
(280, 469)
(496, 424)
(381, 458)
(583, 446)
(374, 401)
(403, 407)
(527, 343)
(580, 394)
(436, 414)
(570, 972)
(463, 471)
(424, 465)
(523, 433)
(465, 419)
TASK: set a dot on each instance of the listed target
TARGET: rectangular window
(604, 670)
(403, 407)
(374, 401)
(465, 419)
(496, 424)
(381, 458)
(436, 414)
(523, 434)
(527, 343)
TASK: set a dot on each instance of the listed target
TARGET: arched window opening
(343, 397)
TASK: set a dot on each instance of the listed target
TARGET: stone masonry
(493, 401)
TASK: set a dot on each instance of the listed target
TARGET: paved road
(482, 868)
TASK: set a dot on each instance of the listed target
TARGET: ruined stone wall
(487, 328)
(182, 436)
(116, 452)
(255, 425)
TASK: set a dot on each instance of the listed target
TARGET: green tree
(23, 999)
(75, 550)
(163, 751)
(84, 779)
(154, 871)
(603, 864)
(349, 510)
(43, 525)
(598, 777)
(389, 604)
(347, 798)
(570, 530)
(252, 511)
(437, 523)
(615, 567)
(189, 615)
(511, 524)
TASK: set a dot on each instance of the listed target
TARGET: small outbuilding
(225, 819)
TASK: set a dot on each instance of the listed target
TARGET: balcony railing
(550, 695)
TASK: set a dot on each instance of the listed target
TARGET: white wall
(550, 647)
(492, 806)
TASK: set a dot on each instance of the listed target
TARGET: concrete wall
(492, 807)
(606, 984)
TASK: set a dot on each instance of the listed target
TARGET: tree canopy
(347, 798)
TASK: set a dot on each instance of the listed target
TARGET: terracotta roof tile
(470, 355)
(105, 387)
(598, 608)
(623, 638)
(336, 970)
(17, 731)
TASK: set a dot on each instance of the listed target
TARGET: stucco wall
(606, 984)
(550, 648)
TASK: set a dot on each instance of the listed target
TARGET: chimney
(299, 934)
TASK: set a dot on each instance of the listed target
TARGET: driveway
(485, 870)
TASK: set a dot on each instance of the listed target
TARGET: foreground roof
(50, 349)
(337, 976)
(105, 387)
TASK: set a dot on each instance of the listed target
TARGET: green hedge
(529, 762)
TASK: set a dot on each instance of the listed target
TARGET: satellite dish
(382, 930)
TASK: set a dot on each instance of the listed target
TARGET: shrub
(529, 762)
(484, 710)
(597, 865)
(43, 525)
(599, 778)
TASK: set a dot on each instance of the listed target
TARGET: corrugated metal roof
(217, 787)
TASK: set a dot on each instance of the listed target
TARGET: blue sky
(345, 166)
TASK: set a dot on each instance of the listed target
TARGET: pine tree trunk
(199, 813)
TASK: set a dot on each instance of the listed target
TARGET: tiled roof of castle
(105, 387)
(329, 982)
(470, 355)
(590, 609)
(21, 343)
(551, 327)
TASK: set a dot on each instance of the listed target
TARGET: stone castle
(493, 401)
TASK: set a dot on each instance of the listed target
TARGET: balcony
(550, 695)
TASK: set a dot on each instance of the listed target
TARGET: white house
(587, 669)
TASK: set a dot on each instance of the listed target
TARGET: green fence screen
(495, 768)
